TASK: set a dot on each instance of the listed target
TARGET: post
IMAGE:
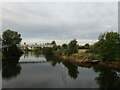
(63, 33)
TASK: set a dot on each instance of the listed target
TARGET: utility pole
(63, 33)
(63, 68)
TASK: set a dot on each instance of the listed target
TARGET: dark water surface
(35, 71)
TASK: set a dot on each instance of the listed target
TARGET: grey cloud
(46, 20)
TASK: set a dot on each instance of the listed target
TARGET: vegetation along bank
(104, 52)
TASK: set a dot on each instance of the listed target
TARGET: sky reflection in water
(55, 74)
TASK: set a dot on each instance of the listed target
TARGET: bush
(72, 47)
(12, 51)
(108, 46)
(96, 57)
(47, 51)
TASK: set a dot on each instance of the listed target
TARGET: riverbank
(78, 58)
(113, 65)
(85, 60)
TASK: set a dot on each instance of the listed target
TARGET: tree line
(107, 48)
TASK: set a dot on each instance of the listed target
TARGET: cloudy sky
(44, 21)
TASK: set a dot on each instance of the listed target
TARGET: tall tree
(72, 47)
(64, 46)
(11, 37)
(108, 45)
(53, 43)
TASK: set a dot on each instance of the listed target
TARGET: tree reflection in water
(107, 78)
(35, 54)
(72, 69)
(10, 68)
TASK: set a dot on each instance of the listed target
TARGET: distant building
(81, 46)
(23, 48)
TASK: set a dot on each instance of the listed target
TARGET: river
(35, 71)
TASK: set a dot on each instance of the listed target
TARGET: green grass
(97, 57)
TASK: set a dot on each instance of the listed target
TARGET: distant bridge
(28, 45)
(35, 45)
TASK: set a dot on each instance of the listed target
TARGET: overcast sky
(43, 21)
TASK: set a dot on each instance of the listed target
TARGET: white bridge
(35, 45)
(29, 45)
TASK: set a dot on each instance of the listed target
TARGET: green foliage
(64, 46)
(47, 51)
(37, 48)
(72, 47)
(0, 39)
(96, 57)
(65, 49)
(11, 37)
(87, 46)
(12, 51)
(53, 43)
(108, 46)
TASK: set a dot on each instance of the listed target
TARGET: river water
(35, 71)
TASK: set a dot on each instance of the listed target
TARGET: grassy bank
(113, 65)
(86, 60)
(78, 59)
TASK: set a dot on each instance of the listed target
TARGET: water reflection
(35, 54)
(53, 60)
(72, 69)
(50, 73)
(10, 68)
(107, 78)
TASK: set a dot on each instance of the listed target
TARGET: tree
(11, 37)
(47, 51)
(53, 43)
(64, 46)
(0, 41)
(108, 46)
(87, 46)
(72, 47)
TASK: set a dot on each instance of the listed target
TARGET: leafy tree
(0, 39)
(64, 46)
(11, 37)
(64, 49)
(72, 47)
(108, 46)
(87, 46)
(47, 51)
(53, 43)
